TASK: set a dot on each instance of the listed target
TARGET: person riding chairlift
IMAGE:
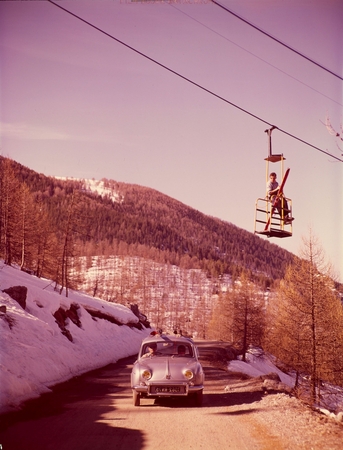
(280, 203)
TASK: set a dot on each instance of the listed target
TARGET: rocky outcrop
(96, 314)
(18, 293)
(62, 315)
(142, 317)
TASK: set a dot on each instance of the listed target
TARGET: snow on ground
(35, 355)
(100, 187)
(258, 364)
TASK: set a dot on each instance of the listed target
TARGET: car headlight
(146, 374)
(188, 374)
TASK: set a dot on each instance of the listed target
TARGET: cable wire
(276, 40)
(192, 82)
(253, 54)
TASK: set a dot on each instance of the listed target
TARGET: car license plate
(167, 390)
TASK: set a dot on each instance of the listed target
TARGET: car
(167, 366)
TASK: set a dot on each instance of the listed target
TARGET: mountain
(108, 216)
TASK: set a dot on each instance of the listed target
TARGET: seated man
(280, 203)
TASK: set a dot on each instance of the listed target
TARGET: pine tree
(9, 211)
(307, 329)
(27, 221)
(67, 275)
(239, 315)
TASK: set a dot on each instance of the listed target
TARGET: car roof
(167, 337)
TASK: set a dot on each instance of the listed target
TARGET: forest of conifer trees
(45, 222)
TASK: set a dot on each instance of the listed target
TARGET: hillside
(48, 338)
(110, 217)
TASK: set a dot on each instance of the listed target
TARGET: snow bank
(35, 355)
(259, 364)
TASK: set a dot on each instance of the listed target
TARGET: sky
(78, 103)
(34, 355)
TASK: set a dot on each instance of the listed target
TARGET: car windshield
(170, 348)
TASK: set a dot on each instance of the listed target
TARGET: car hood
(163, 367)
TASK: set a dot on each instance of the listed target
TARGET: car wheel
(198, 398)
(136, 398)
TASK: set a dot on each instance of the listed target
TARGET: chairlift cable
(277, 40)
(191, 81)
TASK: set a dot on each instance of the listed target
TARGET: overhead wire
(191, 81)
(276, 40)
(250, 53)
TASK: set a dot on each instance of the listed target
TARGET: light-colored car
(167, 366)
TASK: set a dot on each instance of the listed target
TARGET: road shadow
(231, 399)
(210, 400)
(72, 416)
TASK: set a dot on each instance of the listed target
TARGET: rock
(18, 293)
(142, 317)
(61, 316)
(271, 376)
(3, 309)
(73, 314)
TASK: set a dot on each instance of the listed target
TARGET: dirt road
(95, 412)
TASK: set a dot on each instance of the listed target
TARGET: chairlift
(271, 216)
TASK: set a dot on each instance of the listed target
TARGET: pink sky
(76, 103)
